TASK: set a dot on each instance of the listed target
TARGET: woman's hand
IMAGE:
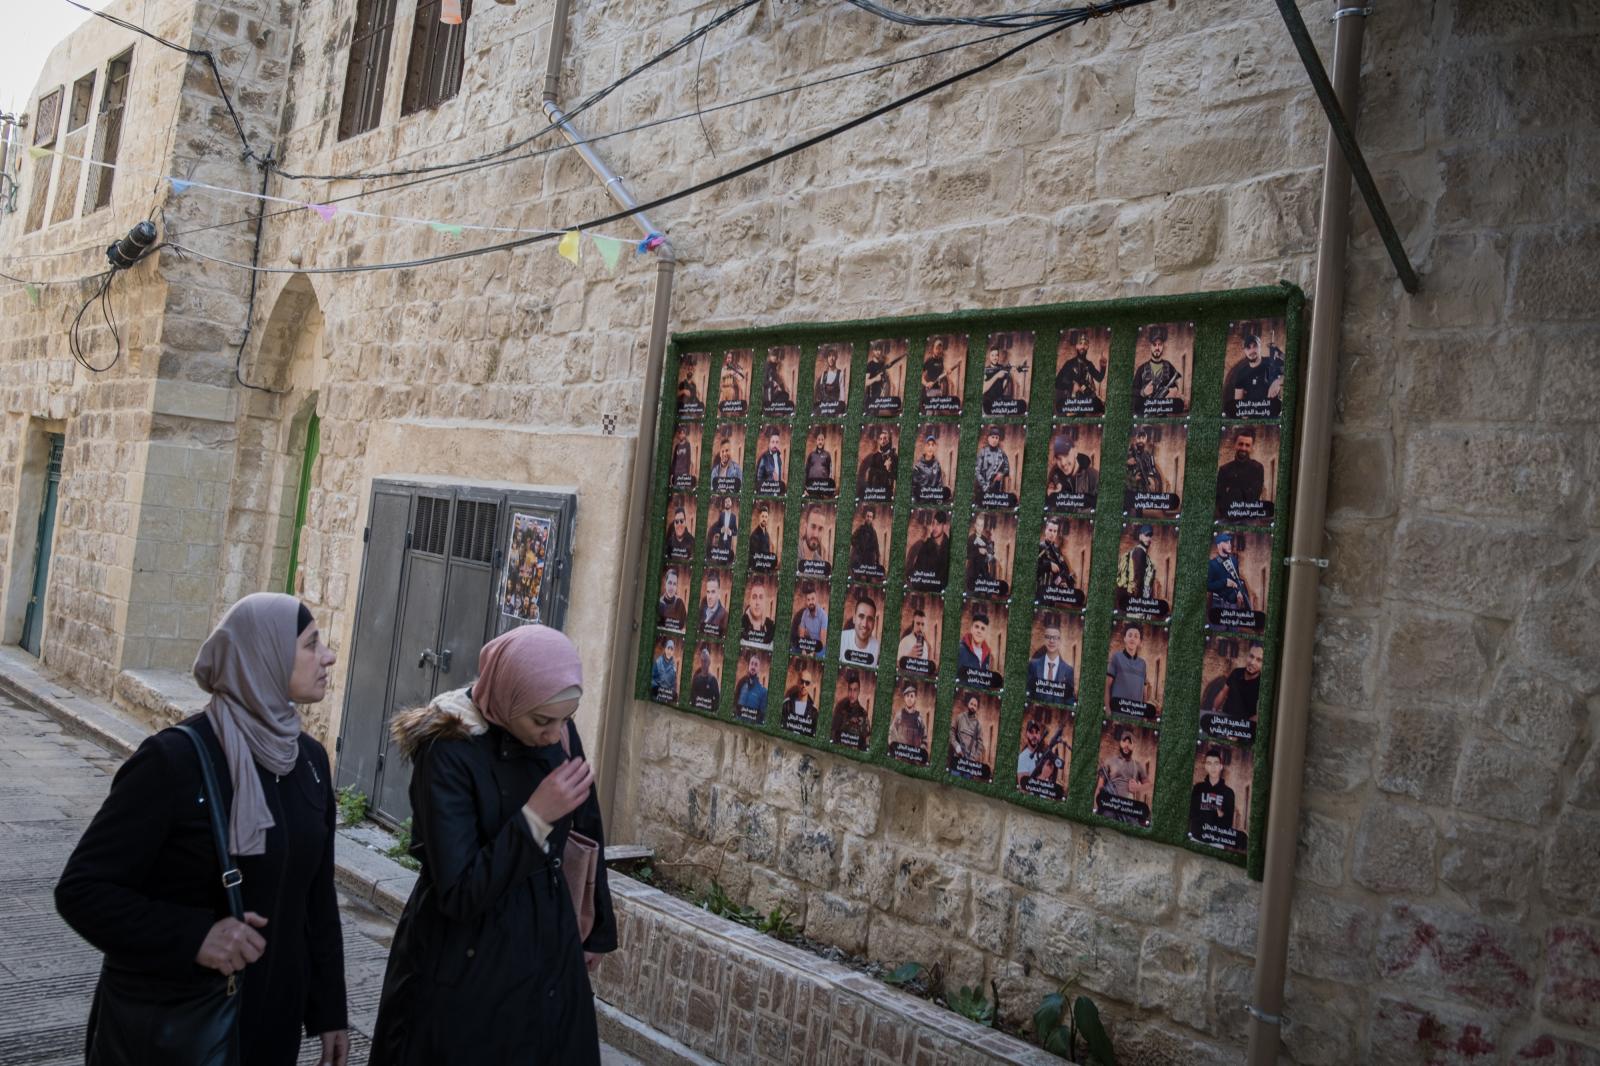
(591, 960)
(560, 793)
(335, 1048)
(231, 945)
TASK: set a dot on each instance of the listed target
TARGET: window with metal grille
(46, 120)
(362, 106)
(108, 133)
(431, 530)
(475, 528)
(438, 51)
(73, 143)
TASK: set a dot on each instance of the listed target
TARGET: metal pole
(625, 622)
(1305, 547)
(1344, 133)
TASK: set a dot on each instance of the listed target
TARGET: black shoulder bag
(140, 1019)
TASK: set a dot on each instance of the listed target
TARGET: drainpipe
(1305, 562)
(625, 622)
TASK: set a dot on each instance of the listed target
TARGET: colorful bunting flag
(450, 12)
(327, 211)
(569, 247)
(446, 227)
(33, 294)
(179, 186)
(610, 249)
(39, 153)
(652, 241)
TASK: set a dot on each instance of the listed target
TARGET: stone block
(963, 827)
(949, 266)
(1502, 184)
(1539, 713)
(746, 757)
(1172, 977)
(1487, 866)
(1474, 92)
(1222, 904)
(1555, 87)
(1330, 938)
(1467, 282)
(1564, 650)
(867, 871)
(932, 891)
(696, 748)
(1395, 849)
(1085, 244)
(1339, 750)
(853, 797)
(1440, 562)
(1232, 991)
(1025, 111)
(1444, 953)
(893, 941)
(1273, 217)
(1361, 476)
(1231, 144)
(1186, 231)
(655, 732)
(906, 809)
(1447, 378)
(1571, 878)
(1320, 1023)
(1504, 781)
(1552, 271)
(769, 891)
(1439, 656)
(808, 850)
(978, 188)
(1407, 1033)
(1063, 940)
(1324, 840)
(794, 779)
(1126, 876)
(838, 921)
(993, 903)
(1341, 668)
(1585, 790)
(1160, 1045)
(1546, 1049)
(1036, 852)
(758, 833)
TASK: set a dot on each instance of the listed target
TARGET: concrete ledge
(23, 678)
(158, 698)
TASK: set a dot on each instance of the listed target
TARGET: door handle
(441, 659)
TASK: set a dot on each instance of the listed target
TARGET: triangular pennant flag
(446, 227)
(569, 247)
(610, 249)
(327, 211)
(33, 294)
(179, 186)
(38, 153)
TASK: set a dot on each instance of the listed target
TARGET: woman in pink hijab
(144, 885)
(488, 965)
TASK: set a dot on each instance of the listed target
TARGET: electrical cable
(250, 306)
(699, 187)
(1022, 20)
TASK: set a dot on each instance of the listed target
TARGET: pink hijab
(519, 670)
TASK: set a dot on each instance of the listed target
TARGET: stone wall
(1446, 903)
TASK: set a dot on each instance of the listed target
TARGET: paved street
(51, 783)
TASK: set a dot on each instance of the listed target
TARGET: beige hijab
(245, 664)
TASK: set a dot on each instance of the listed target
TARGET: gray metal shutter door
(372, 646)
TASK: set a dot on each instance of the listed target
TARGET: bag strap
(231, 877)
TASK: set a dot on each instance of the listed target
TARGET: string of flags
(609, 248)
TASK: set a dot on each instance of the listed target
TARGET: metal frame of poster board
(1213, 315)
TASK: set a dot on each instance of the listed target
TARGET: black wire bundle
(80, 351)
(1025, 20)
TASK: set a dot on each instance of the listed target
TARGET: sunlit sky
(32, 30)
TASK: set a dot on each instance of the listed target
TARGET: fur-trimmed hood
(451, 716)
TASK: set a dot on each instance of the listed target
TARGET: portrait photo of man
(1073, 483)
(1146, 556)
(799, 710)
(1252, 384)
(727, 475)
(756, 625)
(921, 624)
(1063, 561)
(974, 735)
(1007, 374)
(880, 464)
(832, 390)
(1126, 773)
(733, 384)
(1052, 673)
(723, 539)
(779, 380)
(1247, 474)
(1219, 800)
(1135, 670)
(1081, 359)
(822, 461)
(928, 551)
(766, 537)
(772, 464)
(816, 540)
(869, 541)
(750, 692)
(671, 611)
(859, 641)
(713, 613)
(693, 370)
(1237, 580)
(980, 656)
(991, 549)
(852, 712)
(999, 459)
(884, 375)
(1231, 687)
(684, 464)
(808, 631)
(944, 361)
(933, 472)
(679, 542)
(1044, 756)
(705, 691)
(1161, 361)
(1155, 464)
(664, 672)
(910, 727)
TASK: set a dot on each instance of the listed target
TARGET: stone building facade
(1446, 906)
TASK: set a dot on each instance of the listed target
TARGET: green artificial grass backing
(1212, 314)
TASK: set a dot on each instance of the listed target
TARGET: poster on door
(523, 578)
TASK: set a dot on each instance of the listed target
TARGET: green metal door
(33, 622)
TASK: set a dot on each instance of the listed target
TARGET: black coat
(143, 887)
(486, 966)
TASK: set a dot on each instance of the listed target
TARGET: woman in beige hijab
(143, 885)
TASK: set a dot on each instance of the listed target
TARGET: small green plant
(904, 974)
(352, 806)
(1060, 1027)
(778, 924)
(400, 850)
(716, 900)
(645, 873)
(971, 1003)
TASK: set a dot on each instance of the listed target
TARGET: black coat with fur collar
(486, 965)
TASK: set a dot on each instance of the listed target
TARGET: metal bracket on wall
(1347, 138)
